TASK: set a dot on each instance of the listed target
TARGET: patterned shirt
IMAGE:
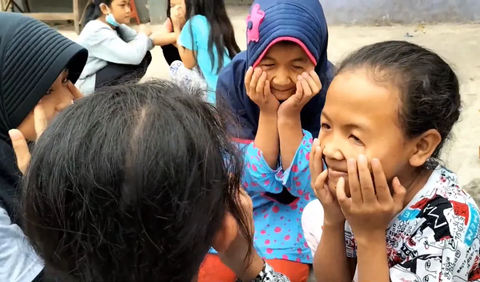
(436, 236)
(278, 230)
(269, 275)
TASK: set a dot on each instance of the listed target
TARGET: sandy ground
(458, 44)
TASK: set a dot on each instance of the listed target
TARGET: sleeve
(189, 35)
(257, 174)
(350, 244)
(18, 260)
(126, 33)
(109, 47)
(297, 177)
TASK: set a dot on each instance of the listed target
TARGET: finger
(248, 78)
(255, 77)
(266, 88)
(354, 182)
(21, 149)
(40, 120)
(316, 80)
(261, 84)
(399, 193)
(366, 182)
(381, 185)
(299, 91)
(74, 90)
(312, 84)
(312, 159)
(319, 185)
(344, 202)
(307, 92)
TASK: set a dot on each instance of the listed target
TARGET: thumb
(399, 193)
(21, 149)
(74, 90)
(342, 198)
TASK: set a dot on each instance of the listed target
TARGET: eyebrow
(296, 60)
(351, 125)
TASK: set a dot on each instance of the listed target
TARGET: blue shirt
(194, 36)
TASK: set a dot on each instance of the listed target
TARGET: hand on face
(177, 14)
(371, 206)
(308, 85)
(332, 213)
(19, 142)
(258, 90)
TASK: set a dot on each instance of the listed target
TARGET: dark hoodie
(32, 56)
(278, 195)
(299, 21)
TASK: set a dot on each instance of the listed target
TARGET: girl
(37, 69)
(104, 202)
(387, 115)
(205, 40)
(278, 104)
(116, 52)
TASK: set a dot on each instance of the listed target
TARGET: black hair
(222, 34)
(93, 11)
(429, 88)
(132, 184)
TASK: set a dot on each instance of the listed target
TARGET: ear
(425, 145)
(226, 234)
(104, 9)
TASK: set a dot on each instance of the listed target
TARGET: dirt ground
(458, 44)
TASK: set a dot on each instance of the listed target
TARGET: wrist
(254, 268)
(333, 225)
(371, 241)
(271, 115)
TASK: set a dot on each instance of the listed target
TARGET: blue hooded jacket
(271, 21)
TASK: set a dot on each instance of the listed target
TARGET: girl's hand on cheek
(371, 206)
(308, 85)
(258, 90)
(332, 213)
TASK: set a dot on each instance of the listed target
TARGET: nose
(281, 78)
(332, 151)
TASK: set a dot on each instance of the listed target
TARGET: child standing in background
(205, 41)
(276, 90)
(390, 210)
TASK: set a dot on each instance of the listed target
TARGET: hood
(299, 21)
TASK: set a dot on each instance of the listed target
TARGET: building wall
(395, 11)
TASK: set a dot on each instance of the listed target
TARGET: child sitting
(390, 210)
(276, 90)
(206, 43)
(136, 183)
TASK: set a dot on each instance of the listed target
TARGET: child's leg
(295, 271)
(213, 270)
(115, 74)
(312, 224)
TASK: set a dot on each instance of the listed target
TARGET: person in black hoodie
(38, 67)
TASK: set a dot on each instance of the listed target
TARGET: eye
(298, 68)
(268, 65)
(325, 126)
(356, 140)
(49, 91)
(65, 80)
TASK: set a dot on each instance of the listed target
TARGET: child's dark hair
(132, 184)
(93, 11)
(222, 34)
(429, 88)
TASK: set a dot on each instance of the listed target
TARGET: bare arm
(162, 39)
(290, 134)
(330, 261)
(267, 138)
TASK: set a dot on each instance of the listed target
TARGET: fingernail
(351, 162)
(15, 134)
(305, 75)
(362, 158)
(299, 77)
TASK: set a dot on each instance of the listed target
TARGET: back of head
(131, 184)
(32, 55)
(93, 12)
(429, 87)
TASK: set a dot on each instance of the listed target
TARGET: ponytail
(93, 11)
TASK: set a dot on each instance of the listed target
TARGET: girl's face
(120, 9)
(178, 3)
(361, 117)
(56, 99)
(283, 63)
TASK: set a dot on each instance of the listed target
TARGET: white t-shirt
(435, 238)
(18, 260)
